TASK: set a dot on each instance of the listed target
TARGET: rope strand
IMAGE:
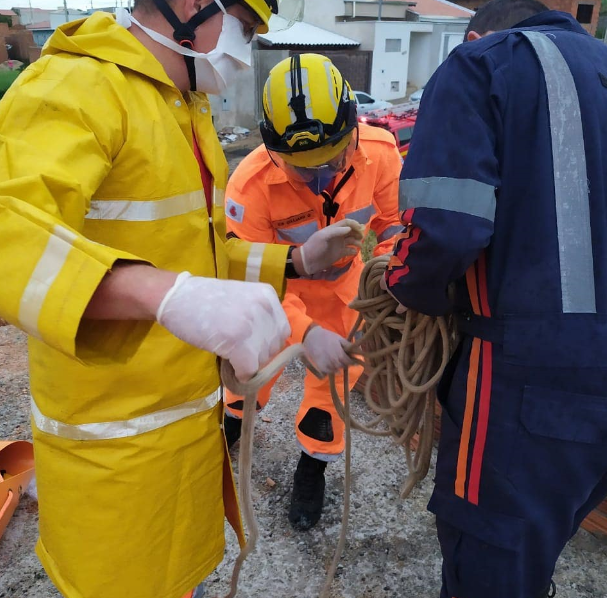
(404, 355)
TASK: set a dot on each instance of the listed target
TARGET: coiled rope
(404, 354)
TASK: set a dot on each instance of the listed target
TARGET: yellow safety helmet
(309, 111)
(288, 11)
(264, 10)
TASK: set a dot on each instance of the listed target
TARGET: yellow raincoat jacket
(97, 165)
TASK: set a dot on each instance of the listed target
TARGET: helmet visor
(305, 173)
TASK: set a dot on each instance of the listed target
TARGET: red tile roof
(439, 8)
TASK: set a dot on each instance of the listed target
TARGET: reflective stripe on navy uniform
(504, 193)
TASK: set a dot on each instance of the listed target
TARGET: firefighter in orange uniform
(317, 167)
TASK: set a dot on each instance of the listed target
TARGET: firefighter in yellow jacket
(317, 165)
(110, 176)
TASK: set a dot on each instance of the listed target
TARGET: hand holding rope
(405, 356)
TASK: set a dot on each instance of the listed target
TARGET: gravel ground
(391, 551)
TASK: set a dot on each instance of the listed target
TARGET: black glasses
(249, 26)
(249, 30)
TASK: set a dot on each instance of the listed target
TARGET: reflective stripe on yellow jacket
(96, 166)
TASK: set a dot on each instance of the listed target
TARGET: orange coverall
(263, 206)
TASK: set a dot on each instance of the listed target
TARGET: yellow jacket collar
(100, 37)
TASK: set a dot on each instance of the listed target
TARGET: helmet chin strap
(185, 33)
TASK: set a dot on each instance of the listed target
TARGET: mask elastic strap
(206, 13)
(185, 33)
(191, 66)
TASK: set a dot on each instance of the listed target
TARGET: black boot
(308, 493)
(232, 427)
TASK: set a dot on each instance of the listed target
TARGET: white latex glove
(325, 349)
(328, 245)
(242, 322)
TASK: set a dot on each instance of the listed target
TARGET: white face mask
(216, 69)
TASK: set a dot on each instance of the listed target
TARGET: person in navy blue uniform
(504, 199)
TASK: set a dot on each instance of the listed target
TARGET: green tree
(6, 80)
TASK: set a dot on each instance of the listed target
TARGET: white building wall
(389, 72)
(440, 44)
(361, 31)
(421, 59)
(36, 15)
(58, 17)
(366, 8)
(449, 41)
(237, 105)
(322, 13)
(429, 51)
(241, 103)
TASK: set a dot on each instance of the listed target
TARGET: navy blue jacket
(478, 186)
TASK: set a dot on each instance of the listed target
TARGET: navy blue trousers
(522, 460)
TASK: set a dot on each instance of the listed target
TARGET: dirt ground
(391, 551)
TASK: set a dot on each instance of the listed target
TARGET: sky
(58, 4)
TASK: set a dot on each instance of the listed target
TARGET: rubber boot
(232, 426)
(308, 493)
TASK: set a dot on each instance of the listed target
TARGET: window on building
(393, 45)
(584, 13)
(394, 85)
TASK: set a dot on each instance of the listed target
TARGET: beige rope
(405, 356)
(249, 391)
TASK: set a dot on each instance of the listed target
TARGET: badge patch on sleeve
(234, 211)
